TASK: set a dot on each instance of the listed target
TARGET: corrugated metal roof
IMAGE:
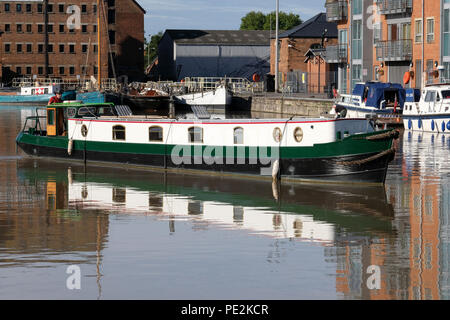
(229, 37)
(312, 28)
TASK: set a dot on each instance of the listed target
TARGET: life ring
(406, 77)
(256, 77)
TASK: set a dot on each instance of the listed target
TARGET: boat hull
(369, 166)
(218, 97)
(437, 123)
(40, 100)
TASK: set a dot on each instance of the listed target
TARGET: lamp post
(276, 47)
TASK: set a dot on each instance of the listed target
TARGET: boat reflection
(315, 213)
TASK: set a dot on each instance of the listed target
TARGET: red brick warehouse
(71, 52)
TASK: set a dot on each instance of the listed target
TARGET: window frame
(192, 134)
(235, 130)
(161, 133)
(119, 128)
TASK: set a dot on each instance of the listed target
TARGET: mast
(99, 46)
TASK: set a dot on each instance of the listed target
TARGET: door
(51, 122)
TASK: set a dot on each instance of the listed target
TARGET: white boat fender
(69, 175)
(70, 147)
(275, 170)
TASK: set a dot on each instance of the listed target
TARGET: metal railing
(394, 50)
(394, 6)
(200, 84)
(336, 53)
(75, 83)
(337, 10)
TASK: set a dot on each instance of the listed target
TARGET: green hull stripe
(352, 145)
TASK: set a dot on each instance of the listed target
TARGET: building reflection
(414, 261)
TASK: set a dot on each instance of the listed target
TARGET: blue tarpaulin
(373, 93)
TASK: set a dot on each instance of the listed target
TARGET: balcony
(394, 6)
(395, 50)
(336, 54)
(336, 10)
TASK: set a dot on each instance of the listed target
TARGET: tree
(260, 21)
(152, 46)
(253, 21)
(286, 21)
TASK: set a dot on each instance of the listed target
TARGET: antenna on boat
(276, 46)
(99, 46)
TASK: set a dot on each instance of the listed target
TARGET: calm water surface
(144, 235)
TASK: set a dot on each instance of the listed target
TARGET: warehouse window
(155, 133)
(118, 133)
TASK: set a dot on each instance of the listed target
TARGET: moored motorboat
(294, 149)
(428, 111)
(385, 100)
(32, 95)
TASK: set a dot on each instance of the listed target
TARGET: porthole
(277, 135)
(298, 134)
(84, 130)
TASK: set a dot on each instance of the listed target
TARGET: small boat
(294, 149)
(33, 96)
(429, 111)
(370, 99)
(217, 97)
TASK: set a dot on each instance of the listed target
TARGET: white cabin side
(295, 133)
(39, 90)
(433, 100)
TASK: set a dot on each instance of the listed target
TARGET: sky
(215, 14)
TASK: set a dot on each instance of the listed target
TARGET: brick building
(295, 43)
(72, 52)
(384, 39)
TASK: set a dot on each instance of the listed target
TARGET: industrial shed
(213, 53)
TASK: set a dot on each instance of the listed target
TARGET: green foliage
(260, 21)
(153, 46)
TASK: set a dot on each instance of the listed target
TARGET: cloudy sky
(216, 14)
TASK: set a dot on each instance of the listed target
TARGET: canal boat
(429, 110)
(31, 95)
(385, 100)
(294, 149)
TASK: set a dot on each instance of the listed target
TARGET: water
(144, 235)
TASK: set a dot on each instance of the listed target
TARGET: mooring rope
(369, 159)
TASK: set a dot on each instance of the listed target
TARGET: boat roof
(441, 86)
(79, 104)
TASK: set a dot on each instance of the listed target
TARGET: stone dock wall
(290, 106)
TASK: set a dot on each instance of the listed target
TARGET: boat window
(445, 94)
(105, 111)
(238, 135)
(118, 132)
(46, 90)
(430, 96)
(155, 133)
(71, 112)
(87, 111)
(33, 91)
(195, 134)
(51, 116)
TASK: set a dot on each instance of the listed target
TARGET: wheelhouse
(55, 121)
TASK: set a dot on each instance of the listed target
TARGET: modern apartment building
(72, 49)
(385, 39)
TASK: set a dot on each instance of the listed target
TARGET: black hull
(351, 169)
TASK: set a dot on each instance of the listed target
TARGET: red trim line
(200, 122)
